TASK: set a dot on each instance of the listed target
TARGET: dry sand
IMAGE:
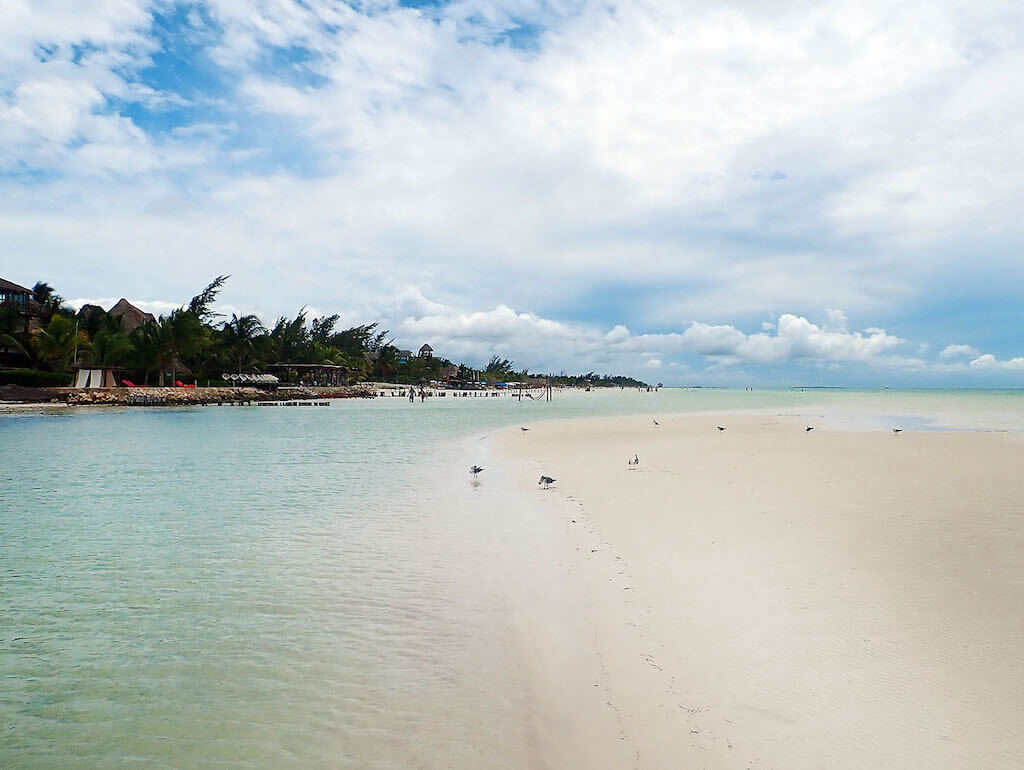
(767, 597)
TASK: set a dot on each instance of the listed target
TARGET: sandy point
(767, 596)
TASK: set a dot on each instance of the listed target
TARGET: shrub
(30, 378)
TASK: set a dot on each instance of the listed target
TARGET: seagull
(808, 429)
(656, 422)
(546, 481)
(633, 462)
(897, 431)
(475, 469)
(720, 427)
(524, 429)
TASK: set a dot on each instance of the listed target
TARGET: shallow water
(265, 587)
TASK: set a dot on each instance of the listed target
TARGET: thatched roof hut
(131, 317)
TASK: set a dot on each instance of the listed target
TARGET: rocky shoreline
(174, 396)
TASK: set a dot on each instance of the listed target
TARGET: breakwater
(182, 396)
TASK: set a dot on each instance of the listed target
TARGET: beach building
(12, 293)
(312, 374)
(403, 356)
(20, 298)
(426, 351)
(96, 376)
(131, 317)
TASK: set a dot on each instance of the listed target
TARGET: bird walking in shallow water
(475, 469)
(547, 481)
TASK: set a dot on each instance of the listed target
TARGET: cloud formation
(619, 164)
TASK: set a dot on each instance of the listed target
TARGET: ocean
(305, 586)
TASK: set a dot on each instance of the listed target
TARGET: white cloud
(545, 342)
(990, 362)
(957, 351)
(725, 162)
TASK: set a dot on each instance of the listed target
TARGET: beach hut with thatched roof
(131, 317)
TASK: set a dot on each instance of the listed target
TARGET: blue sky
(738, 193)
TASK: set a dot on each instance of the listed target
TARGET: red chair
(129, 384)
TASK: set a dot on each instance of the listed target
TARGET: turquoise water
(267, 587)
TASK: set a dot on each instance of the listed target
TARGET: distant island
(43, 342)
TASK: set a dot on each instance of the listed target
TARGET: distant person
(412, 395)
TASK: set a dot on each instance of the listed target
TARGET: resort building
(403, 356)
(426, 351)
(14, 294)
(131, 317)
(11, 294)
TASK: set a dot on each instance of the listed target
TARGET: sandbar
(770, 597)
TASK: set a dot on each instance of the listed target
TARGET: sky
(739, 192)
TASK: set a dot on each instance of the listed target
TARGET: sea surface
(305, 586)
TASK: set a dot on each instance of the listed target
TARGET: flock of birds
(633, 462)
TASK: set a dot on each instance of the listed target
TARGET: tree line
(194, 338)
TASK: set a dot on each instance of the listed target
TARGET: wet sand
(768, 597)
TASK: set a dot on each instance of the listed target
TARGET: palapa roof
(131, 317)
(426, 347)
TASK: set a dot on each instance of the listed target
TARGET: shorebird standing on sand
(897, 431)
(475, 469)
(808, 428)
(720, 427)
(524, 429)
(547, 481)
(634, 462)
(656, 422)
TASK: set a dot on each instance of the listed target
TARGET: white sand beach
(769, 597)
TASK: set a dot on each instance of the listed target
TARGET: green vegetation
(191, 343)
(33, 378)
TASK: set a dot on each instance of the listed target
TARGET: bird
(475, 469)
(720, 427)
(897, 431)
(808, 428)
(656, 422)
(633, 462)
(546, 481)
(524, 429)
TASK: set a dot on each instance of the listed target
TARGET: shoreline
(14, 395)
(170, 396)
(766, 596)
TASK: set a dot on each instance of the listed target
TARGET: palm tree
(387, 361)
(240, 334)
(48, 300)
(147, 346)
(110, 348)
(11, 325)
(162, 345)
(181, 336)
(291, 339)
(59, 342)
